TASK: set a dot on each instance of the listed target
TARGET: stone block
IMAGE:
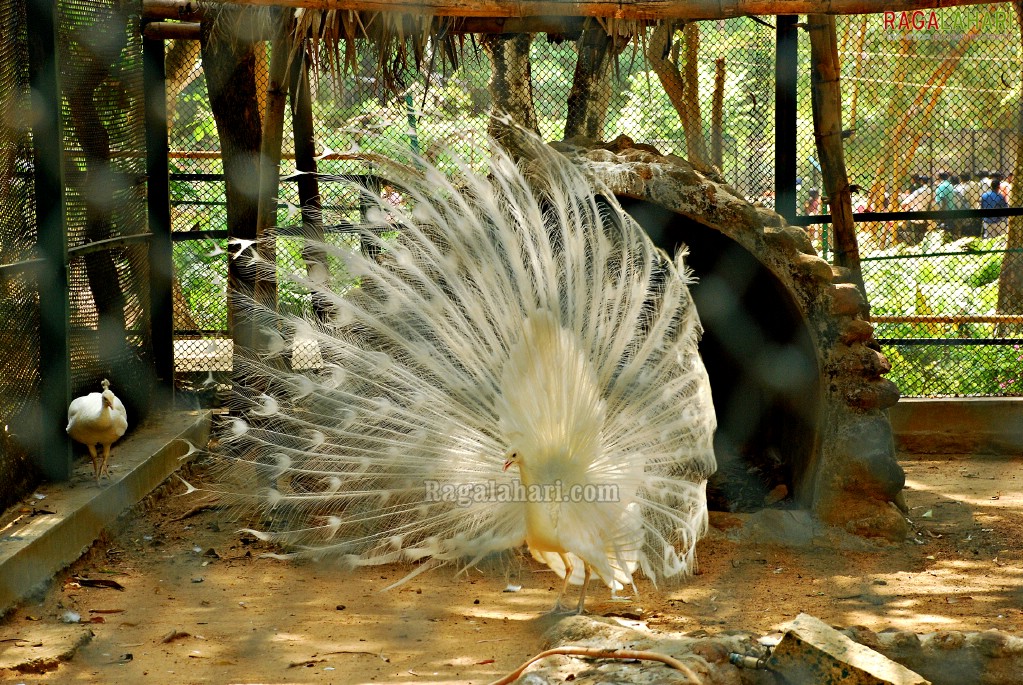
(813, 653)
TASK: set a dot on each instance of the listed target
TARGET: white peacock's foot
(560, 609)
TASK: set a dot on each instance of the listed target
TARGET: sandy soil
(200, 605)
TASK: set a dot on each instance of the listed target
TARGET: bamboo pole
(678, 91)
(186, 11)
(826, 97)
(618, 9)
(164, 30)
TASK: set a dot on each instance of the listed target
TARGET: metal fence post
(54, 448)
(785, 117)
(161, 267)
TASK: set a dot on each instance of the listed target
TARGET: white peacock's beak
(507, 463)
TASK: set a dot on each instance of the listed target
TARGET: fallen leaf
(97, 582)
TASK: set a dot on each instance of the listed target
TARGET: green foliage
(352, 112)
(935, 278)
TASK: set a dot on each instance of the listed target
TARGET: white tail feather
(514, 317)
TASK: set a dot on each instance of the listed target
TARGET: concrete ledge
(964, 425)
(35, 547)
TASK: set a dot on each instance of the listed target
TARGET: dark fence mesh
(100, 49)
(103, 162)
(925, 93)
(19, 305)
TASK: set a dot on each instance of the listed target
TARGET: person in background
(920, 200)
(943, 193)
(943, 198)
(812, 207)
(984, 181)
(992, 199)
(969, 189)
(1006, 188)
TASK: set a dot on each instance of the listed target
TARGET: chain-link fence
(931, 114)
(19, 307)
(931, 110)
(74, 263)
(931, 126)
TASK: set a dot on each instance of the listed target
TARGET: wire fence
(932, 121)
(74, 263)
(928, 150)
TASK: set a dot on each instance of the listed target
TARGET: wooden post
(826, 97)
(52, 450)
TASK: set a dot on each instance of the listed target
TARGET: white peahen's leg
(106, 457)
(95, 463)
(581, 607)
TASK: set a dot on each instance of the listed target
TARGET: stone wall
(850, 477)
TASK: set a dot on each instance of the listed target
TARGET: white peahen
(518, 365)
(98, 418)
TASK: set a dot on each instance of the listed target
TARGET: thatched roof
(615, 9)
(411, 34)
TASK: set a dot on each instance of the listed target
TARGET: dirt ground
(200, 605)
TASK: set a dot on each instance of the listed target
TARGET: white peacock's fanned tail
(512, 316)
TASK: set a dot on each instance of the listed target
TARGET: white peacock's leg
(581, 607)
(564, 586)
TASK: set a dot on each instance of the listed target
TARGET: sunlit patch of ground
(201, 606)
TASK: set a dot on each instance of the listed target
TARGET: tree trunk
(861, 37)
(511, 84)
(717, 109)
(682, 89)
(591, 83)
(183, 67)
(229, 64)
(270, 169)
(826, 97)
(884, 192)
(308, 185)
(1010, 281)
